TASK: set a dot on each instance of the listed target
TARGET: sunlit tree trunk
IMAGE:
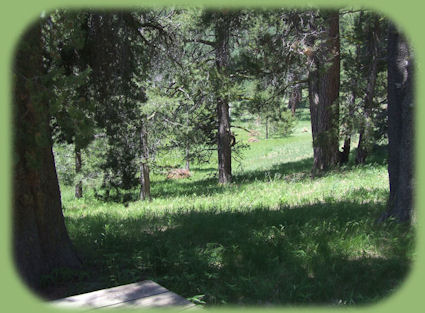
(324, 81)
(222, 61)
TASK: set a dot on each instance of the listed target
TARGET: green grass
(274, 236)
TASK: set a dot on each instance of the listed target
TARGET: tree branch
(205, 42)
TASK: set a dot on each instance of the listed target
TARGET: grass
(274, 236)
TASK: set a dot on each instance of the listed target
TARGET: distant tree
(400, 128)
(222, 29)
(295, 96)
(40, 239)
(220, 24)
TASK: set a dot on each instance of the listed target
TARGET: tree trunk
(78, 165)
(295, 96)
(345, 153)
(187, 157)
(222, 60)
(324, 81)
(145, 182)
(187, 152)
(366, 130)
(40, 239)
(267, 127)
(400, 128)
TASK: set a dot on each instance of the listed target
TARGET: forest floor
(274, 236)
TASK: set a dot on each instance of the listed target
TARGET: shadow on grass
(328, 253)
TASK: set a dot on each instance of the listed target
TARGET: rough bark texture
(145, 182)
(324, 81)
(366, 130)
(224, 131)
(400, 128)
(40, 239)
(78, 165)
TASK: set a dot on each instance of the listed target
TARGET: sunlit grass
(273, 236)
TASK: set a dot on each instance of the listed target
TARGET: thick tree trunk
(324, 81)
(40, 239)
(145, 182)
(366, 130)
(400, 128)
(78, 165)
(224, 132)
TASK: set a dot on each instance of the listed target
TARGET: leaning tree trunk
(224, 132)
(400, 128)
(366, 130)
(78, 166)
(324, 81)
(40, 239)
(145, 182)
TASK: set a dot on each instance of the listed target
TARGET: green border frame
(16, 16)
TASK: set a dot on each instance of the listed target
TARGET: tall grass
(274, 236)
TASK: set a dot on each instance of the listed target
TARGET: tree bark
(267, 127)
(345, 153)
(187, 157)
(145, 182)
(400, 128)
(366, 130)
(78, 165)
(224, 132)
(324, 82)
(40, 239)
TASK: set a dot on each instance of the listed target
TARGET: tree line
(148, 81)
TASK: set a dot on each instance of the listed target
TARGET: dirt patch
(178, 173)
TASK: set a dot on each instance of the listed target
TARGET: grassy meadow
(275, 236)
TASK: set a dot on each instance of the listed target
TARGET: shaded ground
(297, 255)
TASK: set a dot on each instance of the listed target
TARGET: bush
(284, 126)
